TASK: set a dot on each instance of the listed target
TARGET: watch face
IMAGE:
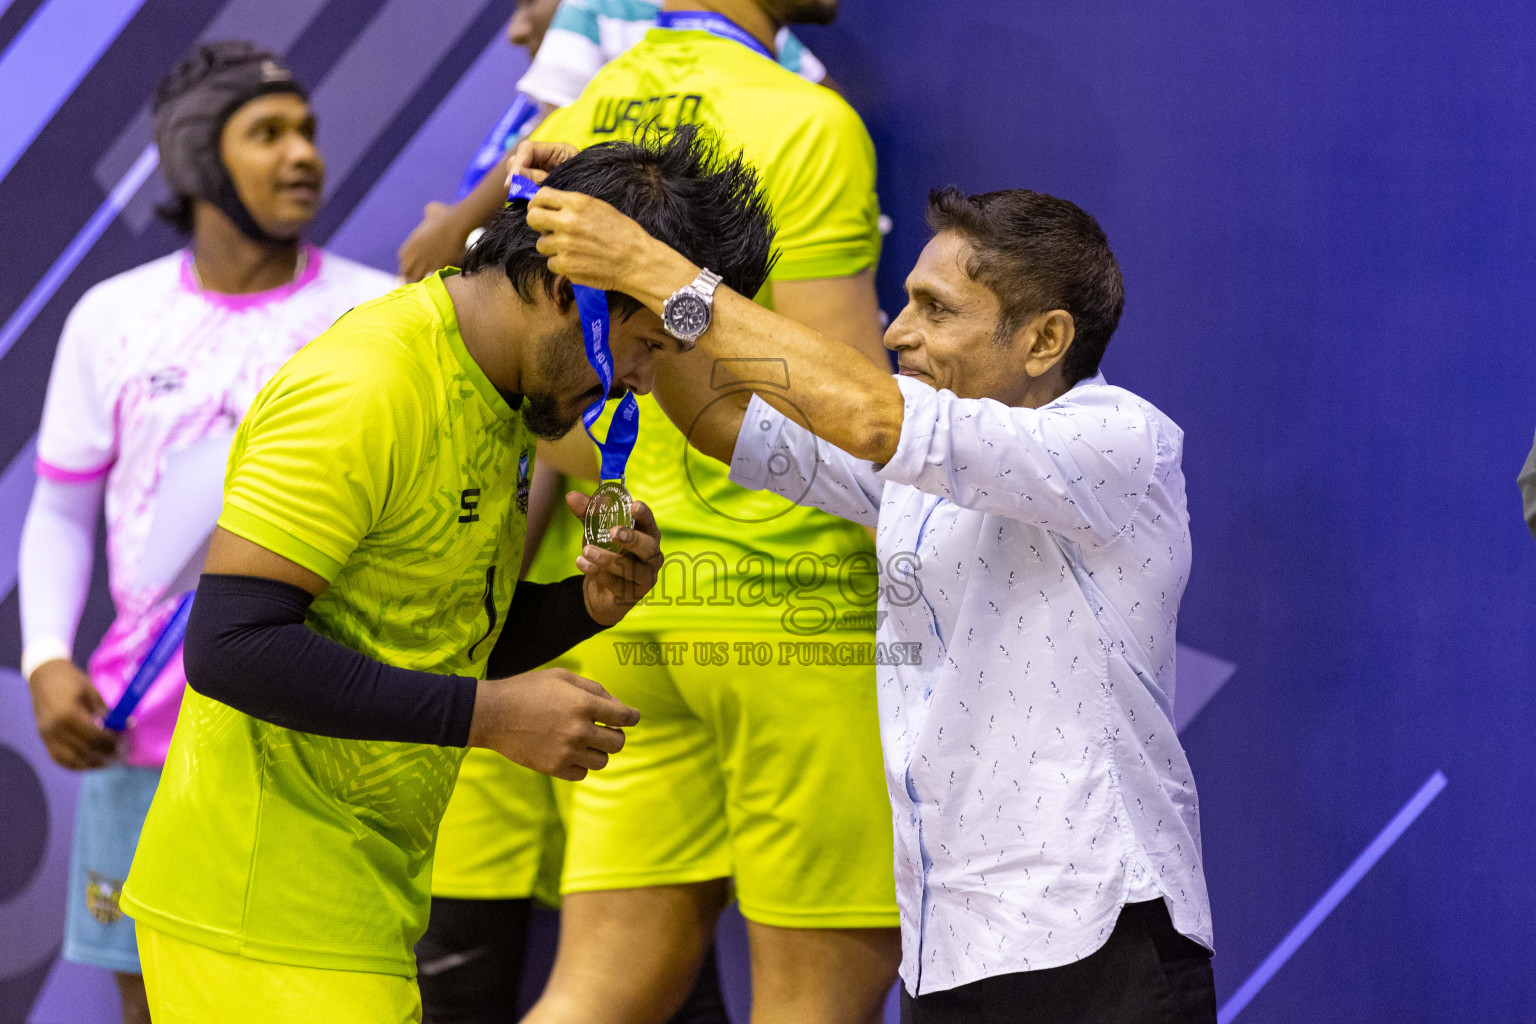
(687, 315)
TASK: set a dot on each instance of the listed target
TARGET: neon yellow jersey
(381, 458)
(501, 836)
(742, 559)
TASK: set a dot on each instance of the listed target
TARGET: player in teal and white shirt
(587, 34)
(155, 366)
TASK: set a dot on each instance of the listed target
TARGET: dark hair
(1036, 252)
(677, 186)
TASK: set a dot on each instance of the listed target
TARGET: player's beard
(550, 413)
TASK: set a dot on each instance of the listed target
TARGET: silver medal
(607, 512)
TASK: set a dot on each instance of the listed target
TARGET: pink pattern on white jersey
(149, 364)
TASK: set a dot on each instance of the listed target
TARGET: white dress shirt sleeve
(775, 454)
(1080, 466)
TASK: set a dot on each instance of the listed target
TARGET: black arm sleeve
(247, 646)
(544, 621)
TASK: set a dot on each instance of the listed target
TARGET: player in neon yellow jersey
(767, 776)
(501, 840)
(359, 621)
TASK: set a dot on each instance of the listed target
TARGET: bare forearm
(843, 398)
(704, 401)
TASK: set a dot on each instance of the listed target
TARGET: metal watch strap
(706, 282)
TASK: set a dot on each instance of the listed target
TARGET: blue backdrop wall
(1323, 215)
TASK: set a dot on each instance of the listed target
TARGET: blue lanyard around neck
(714, 24)
(592, 307)
(497, 142)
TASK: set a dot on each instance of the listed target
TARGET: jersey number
(469, 501)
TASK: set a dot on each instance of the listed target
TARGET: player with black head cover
(153, 363)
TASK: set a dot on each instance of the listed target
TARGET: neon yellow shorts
(500, 835)
(769, 775)
(192, 984)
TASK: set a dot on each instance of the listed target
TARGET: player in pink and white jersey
(154, 366)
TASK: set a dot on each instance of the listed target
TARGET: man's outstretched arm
(851, 402)
(1080, 471)
(705, 397)
(704, 400)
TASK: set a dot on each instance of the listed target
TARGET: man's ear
(559, 288)
(1047, 337)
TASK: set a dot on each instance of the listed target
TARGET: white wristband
(41, 651)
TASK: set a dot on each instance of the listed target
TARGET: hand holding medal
(628, 555)
(620, 576)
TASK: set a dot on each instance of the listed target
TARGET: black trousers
(1147, 973)
(470, 966)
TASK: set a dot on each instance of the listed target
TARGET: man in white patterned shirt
(1035, 541)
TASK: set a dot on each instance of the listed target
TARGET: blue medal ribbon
(496, 144)
(592, 307)
(714, 24)
(160, 653)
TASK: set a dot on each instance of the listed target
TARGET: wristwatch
(687, 314)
